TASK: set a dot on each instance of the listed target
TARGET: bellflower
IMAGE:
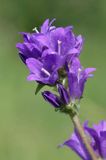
(77, 76)
(34, 43)
(96, 137)
(59, 43)
(44, 72)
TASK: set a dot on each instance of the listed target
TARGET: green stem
(78, 126)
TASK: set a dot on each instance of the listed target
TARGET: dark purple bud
(63, 94)
(52, 99)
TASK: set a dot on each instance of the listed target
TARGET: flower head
(48, 45)
(96, 137)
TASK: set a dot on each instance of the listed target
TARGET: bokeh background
(29, 127)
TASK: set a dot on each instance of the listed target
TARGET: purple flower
(30, 48)
(64, 42)
(44, 72)
(39, 47)
(35, 43)
(77, 76)
(97, 137)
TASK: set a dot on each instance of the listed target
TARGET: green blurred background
(29, 127)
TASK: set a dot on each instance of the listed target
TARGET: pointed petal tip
(18, 45)
(31, 77)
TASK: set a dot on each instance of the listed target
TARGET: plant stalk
(78, 126)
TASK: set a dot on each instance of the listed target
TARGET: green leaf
(38, 88)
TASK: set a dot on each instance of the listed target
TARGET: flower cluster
(52, 57)
(47, 51)
(96, 137)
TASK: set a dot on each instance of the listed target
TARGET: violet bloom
(61, 43)
(34, 43)
(77, 77)
(44, 72)
(97, 138)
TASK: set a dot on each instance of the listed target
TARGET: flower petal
(63, 93)
(76, 147)
(103, 144)
(45, 26)
(34, 65)
(88, 72)
(100, 127)
(53, 62)
(79, 44)
(95, 140)
(27, 50)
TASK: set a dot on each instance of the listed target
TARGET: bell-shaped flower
(44, 71)
(96, 137)
(77, 76)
